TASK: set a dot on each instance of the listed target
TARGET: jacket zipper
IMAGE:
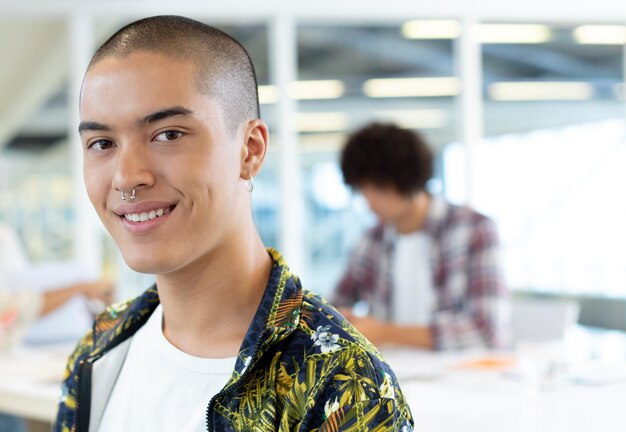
(84, 397)
(209, 416)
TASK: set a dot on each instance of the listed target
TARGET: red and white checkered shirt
(472, 304)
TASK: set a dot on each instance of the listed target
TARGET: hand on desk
(99, 290)
(382, 333)
(373, 329)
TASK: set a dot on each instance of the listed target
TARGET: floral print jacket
(301, 367)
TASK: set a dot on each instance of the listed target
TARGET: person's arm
(18, 310)
(481, 318)
(480, 321)
(98, 290)
(382, 333)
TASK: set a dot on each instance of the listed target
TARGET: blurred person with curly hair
(428, 274)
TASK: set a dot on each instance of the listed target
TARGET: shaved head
(224, 69)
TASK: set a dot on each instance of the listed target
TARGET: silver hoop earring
(123, 195)
(250, 184)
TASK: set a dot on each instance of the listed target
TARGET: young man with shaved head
(227, 339)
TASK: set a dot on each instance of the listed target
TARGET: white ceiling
(34, 45)
(34, 63)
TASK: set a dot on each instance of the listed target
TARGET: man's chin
(143, 264)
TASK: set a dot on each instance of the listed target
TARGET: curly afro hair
(386, 155)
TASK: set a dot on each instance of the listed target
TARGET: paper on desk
(459, 399)
(412, 365)
(39, 365)
(419, 373)
(488, 362)
(47, 276)
(597, 373)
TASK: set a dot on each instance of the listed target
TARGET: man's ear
(256, 140)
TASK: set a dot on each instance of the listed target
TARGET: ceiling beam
(356, 11)
(42, 71)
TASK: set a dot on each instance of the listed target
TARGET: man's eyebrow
(150, 118)
(165, 113)
(92, 126)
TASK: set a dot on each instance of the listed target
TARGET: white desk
(445, 397)
(30, 381)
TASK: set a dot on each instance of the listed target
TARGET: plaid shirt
(472, 303)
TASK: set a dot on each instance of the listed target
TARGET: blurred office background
(523, 104)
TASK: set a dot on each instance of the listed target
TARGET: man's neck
(207, 310)
(415, 216)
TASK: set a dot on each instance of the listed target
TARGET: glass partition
(550, 167)
(350, 76)
(35, 177)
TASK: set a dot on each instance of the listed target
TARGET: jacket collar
(276, 317)
(121, 321)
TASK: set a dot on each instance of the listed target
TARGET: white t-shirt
(161, 388)
(413, 292)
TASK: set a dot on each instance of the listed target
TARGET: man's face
(144, 125)
(386, 202)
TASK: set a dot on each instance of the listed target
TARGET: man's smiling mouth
(146, 216)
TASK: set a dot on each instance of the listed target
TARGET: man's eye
(169, 135)
(100, 145)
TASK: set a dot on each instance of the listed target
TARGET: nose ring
(132, 195)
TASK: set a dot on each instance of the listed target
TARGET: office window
(35, 178)
(550, 168)
(349, 76)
